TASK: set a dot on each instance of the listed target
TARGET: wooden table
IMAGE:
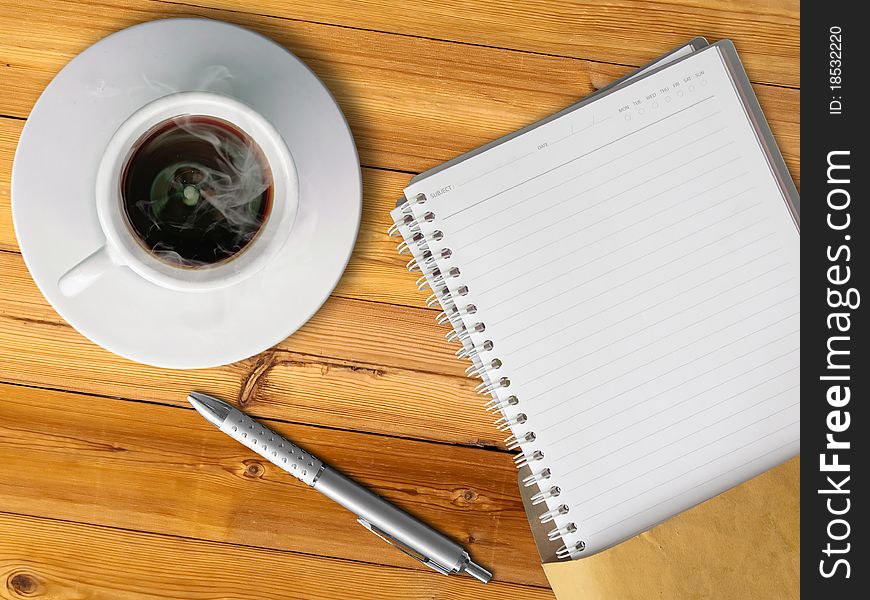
(112, 487)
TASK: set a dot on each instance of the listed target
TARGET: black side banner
(835, 363)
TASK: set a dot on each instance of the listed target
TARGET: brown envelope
(744, 543)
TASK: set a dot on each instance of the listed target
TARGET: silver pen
(395, 526)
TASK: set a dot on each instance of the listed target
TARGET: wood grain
(628, 32)
(166, 470)
(349, 367)
(408, 104)
(376, 271)
(47, 559)
(121, 491)
(10, 131)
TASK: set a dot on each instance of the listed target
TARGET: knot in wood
(23, 584)
(253, 469)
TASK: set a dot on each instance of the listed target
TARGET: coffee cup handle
(86, 272)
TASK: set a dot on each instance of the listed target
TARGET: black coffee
(196, 190)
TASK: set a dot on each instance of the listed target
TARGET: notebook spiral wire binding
(452, 314)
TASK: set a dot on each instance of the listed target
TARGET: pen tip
(214, 410)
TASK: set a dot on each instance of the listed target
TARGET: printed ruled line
(566, 218)
(494, 169)
(659, 212)
(576, 251)
(659, 376)
(581, 130)
(608, 163)
(741, 319)
(702, 484)
(677, 313)
(752, 423)
(634, 280)
(576, 158)
(515, 295)
(513, 160)
(645, 309)
(556, 222)
(648, 453)
(709, 389)
(697, 394)
(719, 476)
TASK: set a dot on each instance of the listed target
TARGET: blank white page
(636, 267)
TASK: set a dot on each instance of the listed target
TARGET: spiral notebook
(624, 277)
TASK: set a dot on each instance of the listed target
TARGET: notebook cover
(743, 543)
(777, 165)
(695, 44)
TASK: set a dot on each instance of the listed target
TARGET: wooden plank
(629, 32)
(10, 131)
(355, 365)
(376, 271)
(166, 470)
(43, 558)
(412, 103)
(356, 334)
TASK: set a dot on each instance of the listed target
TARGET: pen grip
(272, 446)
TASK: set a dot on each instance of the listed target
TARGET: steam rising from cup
(196, 190)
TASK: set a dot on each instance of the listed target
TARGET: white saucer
(55, 216)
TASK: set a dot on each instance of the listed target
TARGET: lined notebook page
(637, 269)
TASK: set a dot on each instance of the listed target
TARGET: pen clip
(403, 548)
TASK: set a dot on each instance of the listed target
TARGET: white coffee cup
(123, 249)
